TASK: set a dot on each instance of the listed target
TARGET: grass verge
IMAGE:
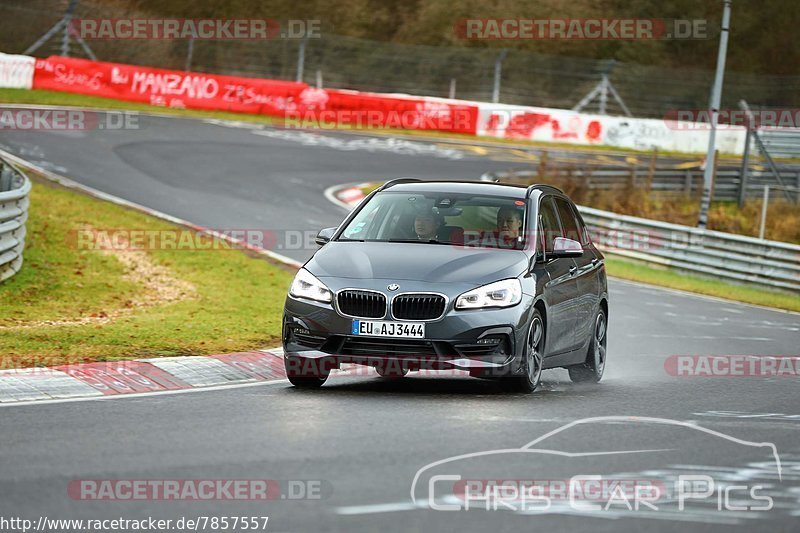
(72, 303)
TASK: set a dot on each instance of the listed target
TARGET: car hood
(422, 262)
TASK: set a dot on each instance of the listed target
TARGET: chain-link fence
(344, 62)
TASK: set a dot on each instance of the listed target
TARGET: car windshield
(440, 218)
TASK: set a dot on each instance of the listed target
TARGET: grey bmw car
(498, 280)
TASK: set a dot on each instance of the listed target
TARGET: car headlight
(498, 294)
(305, 285)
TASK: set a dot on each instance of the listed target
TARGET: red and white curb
(88, 380)
(347, 196)
(162, 375)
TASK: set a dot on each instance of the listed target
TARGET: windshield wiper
(420, 241)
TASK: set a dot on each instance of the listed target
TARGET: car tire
(391, 373)
(592, 370)
(306, 373)
(533, 358)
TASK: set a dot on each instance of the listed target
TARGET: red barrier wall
(169, 88)
(297, 101)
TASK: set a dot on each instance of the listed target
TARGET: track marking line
(146, 394)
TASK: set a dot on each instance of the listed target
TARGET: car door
(587, 294)
(560, 290)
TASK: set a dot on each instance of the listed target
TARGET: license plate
(404, 330)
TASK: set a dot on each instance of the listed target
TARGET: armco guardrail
(781, 142)
(14, 190)
(735, 257)
(688, 181)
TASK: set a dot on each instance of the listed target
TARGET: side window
(584, 233)
(550, 227)
(568, 221)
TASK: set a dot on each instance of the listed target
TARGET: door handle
(572, 270)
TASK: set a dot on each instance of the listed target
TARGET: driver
(427, 225)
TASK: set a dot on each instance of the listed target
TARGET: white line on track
(392, 507)
(145, 394)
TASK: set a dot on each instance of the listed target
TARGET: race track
(364, 439)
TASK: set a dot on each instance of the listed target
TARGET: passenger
(509, 226)
(509, 223)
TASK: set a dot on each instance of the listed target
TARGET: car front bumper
(486, 342)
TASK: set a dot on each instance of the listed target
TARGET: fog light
(498, 344)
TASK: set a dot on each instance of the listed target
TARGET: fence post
(632, 178)
(797, 178)
(714, 176)
(452, 88)
(762, 228)
(745, 168)
(651, 170)
(301, 59)
(189, 55)
(542, 165)
(319, 79)
(498, 72)
(587, 178)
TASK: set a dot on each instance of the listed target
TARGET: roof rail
(535, 186)
(397, 181)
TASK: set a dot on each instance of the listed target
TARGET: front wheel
(533, 358)
(390, 371)
(592, 370)
(305, 373)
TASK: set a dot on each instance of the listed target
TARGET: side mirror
(324, 236)
(563, 247)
